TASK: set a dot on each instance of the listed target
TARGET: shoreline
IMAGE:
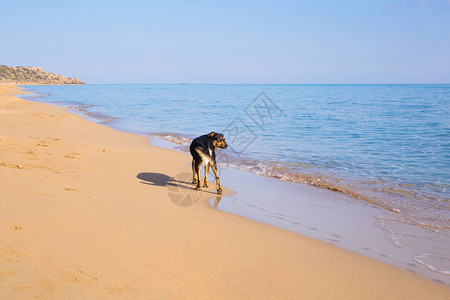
(94, 228)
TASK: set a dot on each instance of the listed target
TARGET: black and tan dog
(203, 152)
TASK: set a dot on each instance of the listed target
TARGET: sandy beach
(88, 212)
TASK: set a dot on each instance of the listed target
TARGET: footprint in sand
(56, 116)
(72, 155)
(11, 165)
(78, 277)
(37, 115)
(438, 281)
(42, 144)
(46, 284)
(412, 265)
(10, 255)
(70, 189)
(119, 289)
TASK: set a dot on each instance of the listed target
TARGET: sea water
(385, 145)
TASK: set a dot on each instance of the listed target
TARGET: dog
(203, 152)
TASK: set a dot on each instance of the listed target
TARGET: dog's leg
(214, 168)
(194, 175)
(205, 184)
(197, 166)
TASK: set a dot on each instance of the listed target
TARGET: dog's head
(218, 140)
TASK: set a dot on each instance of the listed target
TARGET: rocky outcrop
(33, 75)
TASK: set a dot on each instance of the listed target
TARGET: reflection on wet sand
(216, 202)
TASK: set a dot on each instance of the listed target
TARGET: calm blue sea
(388, 145)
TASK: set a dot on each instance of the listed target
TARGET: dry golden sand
(76, 222)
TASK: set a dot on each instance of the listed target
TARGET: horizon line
(184, 83)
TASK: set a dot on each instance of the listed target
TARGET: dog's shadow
(181, 181)
(159, 179)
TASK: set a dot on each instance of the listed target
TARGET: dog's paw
(219, 191)
(197, 188)
(205, 185)
(194, 181)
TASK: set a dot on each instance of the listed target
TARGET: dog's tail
(205, 158)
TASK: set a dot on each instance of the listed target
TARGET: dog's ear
(211, 134)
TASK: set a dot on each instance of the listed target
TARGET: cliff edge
(32, 75)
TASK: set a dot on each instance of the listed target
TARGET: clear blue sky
(378, 41)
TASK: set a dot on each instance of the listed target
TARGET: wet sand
(330, 216)
(87, 211)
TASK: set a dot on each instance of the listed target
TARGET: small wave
(426, 260)
(84, 109)
(173, 138)
(33, 94)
